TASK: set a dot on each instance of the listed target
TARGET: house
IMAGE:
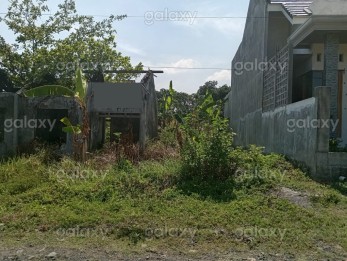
(289, 82)
(130, 107)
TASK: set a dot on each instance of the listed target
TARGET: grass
(150, 205)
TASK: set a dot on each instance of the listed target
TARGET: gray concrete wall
(279, 28)
(151, 107)
(246, 93)
(337, 164)
(297, 130)
(118, 100)
(7, 104)
(25, 112)
(272, 131)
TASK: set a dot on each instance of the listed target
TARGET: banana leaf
(49, 90)
(81, 84)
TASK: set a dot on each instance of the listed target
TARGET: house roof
(295, 7)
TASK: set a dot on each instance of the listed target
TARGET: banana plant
(80, 94)
(69, 128)
(48, 90)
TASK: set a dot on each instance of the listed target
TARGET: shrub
(206, 152)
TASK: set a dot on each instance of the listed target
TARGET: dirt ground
(97, 254)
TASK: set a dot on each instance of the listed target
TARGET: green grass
(151, 204)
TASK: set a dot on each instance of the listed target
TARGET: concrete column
(331, 71)
(321, 171)
(97, 131)
(323, 94)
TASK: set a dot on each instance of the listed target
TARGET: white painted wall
(343, 50)
(317, 49)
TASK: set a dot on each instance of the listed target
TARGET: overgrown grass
(151, 204)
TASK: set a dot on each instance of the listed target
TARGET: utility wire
(186, 68)
(177, 18)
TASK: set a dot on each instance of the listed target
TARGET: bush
(206, 152)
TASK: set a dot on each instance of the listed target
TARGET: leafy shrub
(335, 146)
(206, 152)
(168, 136)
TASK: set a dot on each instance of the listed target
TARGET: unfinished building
(131, 108)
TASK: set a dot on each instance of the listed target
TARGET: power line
(176, 18)
(187, 68)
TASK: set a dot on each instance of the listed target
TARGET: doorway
(56, 134)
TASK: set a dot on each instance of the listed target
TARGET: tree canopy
(49, 47)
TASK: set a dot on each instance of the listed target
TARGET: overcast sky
(146, 38)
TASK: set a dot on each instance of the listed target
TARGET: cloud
(130, 49)
(183, 63)
(226, 26)
(223, 77)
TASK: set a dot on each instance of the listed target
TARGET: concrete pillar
(321, 172)
(97, 131)
(323, 94)
(331, 72)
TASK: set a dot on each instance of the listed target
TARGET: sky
(166, 33)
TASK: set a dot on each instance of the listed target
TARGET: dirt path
(57, 254)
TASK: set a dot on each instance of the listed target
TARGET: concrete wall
(279, 28)
(25, 110)
(7, 105)
(246, 93)
(151, 106)
(280, 131)
(29, 108)
(318, 49)
(292, 130)
(337, 164)
(271, 131)
(123, 101)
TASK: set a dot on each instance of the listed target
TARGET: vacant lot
(149, 211)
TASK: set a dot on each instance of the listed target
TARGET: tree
(218, 93)
(49, 49)
(209, 86)
(5, 82)
(181, 103)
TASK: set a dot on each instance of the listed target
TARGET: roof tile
(295, 7)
